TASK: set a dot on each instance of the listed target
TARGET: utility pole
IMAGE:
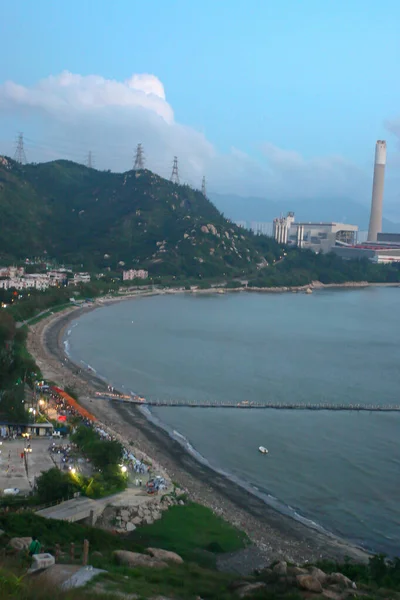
(90, 162)
(175, 174)
(19, 155)
(139, 158)
(203, 187)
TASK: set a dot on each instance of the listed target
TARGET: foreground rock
(250, 589)
(165, 555)
(20, 543)
(134, 559)
(309, 583)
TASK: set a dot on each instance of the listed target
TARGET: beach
(276, 535)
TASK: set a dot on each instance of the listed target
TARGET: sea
(334, 471)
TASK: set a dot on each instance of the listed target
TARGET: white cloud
(80, 113)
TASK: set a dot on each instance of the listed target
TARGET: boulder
(124, 515)
(297, 571)
(130, 527)
(20, 543)
(280, 568)
(165, 555)
(96, 554)
(2, 532)
(136, 520)
(318, 574)
(342, 580)
(134, 559)
(250, 589)
(309, 583)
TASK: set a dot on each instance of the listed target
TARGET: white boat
(263, 450)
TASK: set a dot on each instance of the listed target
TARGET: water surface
(340, 470)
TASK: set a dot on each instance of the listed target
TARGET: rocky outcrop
(342, 580)
(280, 568)
(20, 543)
(165, 555)
(134, 559)
(309, 583)
(126, 518)
(250, 589)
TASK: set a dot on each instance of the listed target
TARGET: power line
(203, 187)
(19, 155)
(175, 174)
(90, 162)
(139, 158)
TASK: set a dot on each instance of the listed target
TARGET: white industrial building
(319, 237)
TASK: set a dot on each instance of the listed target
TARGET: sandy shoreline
(277, 535)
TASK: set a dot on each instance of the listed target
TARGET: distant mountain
(238, 208)
(98, 219)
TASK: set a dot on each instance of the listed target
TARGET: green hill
(78, 215)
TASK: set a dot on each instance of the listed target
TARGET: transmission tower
(19, 155)
(90, 161)
(139, 158)
(175, 174)
(203, 187)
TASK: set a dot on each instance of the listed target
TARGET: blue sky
(319, 78)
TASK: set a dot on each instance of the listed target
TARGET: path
(78, 509)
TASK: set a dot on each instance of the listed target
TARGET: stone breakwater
(123, 519)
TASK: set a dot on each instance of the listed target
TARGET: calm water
(339, 470)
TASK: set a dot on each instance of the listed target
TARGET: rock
(250, 589)
(181, 502)
(318, 574)
(309, 583)
(96, 554)
(136, 521)
(235, 585)
(130, 527)
(280, 568)
(297, 571)
(134, 559)
(2, 532)
(21, 543)
(148, 520)
(157, 516)
(342, 580)
(165, 555)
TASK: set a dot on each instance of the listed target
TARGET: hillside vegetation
(99, 219)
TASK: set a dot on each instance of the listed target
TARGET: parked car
(11, 492)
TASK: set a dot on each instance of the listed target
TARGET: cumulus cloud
(81, 113)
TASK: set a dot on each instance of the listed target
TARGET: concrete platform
(13, 472)
(65, 577)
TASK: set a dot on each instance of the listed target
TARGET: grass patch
(193, 531)
(187, 581)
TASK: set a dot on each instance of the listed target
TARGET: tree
(54, 485)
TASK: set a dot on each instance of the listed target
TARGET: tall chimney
(375, 220)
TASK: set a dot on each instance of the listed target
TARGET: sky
(271, 99)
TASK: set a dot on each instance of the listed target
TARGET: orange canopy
(74, 404)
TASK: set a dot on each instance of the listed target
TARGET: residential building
(134, 274)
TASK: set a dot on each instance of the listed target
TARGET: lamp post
(27, 451)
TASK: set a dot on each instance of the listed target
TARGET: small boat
(263, 450)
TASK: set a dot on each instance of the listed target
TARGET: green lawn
(193, 531)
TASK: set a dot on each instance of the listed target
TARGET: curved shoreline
(277, 535)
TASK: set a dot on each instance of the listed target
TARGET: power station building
(380, 247)
(319, 237)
